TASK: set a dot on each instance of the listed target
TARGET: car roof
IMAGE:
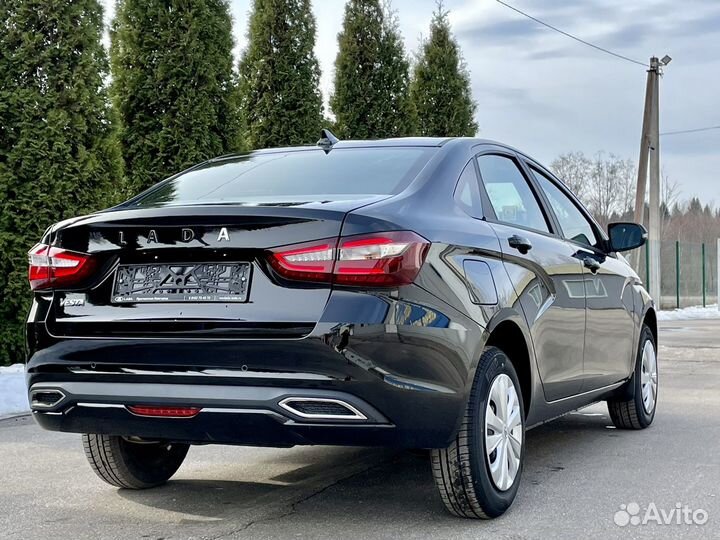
(397, 142)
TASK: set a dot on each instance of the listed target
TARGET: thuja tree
(398, 119)
(281, 103)
(59, 156)
(173, 85)
(440, 89)
(371, 95)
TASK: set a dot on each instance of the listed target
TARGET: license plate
(207, 282)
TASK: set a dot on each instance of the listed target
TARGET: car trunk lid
(193, 271)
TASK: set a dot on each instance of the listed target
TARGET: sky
(547, 95)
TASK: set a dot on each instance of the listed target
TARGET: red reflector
(52, 267)
(164, 412)
(376, 260)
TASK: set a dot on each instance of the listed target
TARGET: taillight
(377, 260)
(52, 267)
(306, 262)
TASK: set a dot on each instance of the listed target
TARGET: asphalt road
(578, 473)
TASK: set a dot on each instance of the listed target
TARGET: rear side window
(573, 223)
(467, 195)
(296, 176)
(509, 193)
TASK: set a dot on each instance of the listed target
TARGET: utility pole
(654, 214)
(650, 148)
(644, 148)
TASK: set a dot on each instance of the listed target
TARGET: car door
(543, 269)
(610, 329)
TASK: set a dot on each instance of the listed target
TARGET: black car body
(206, 310)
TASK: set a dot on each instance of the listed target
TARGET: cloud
(550, 54)
(612, 24)
(629, 35)
(703, 25)
(499, 33)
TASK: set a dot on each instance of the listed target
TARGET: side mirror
(626, 236)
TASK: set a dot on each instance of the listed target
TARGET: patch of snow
(690, 313)
(13, 395)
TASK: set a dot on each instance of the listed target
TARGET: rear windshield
(294, 176)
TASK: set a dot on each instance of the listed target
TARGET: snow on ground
(13, 397)
(689, 313)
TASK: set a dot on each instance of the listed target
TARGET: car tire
(463, 471)
(133, 465)
(639, 411)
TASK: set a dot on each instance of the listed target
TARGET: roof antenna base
(327, 140)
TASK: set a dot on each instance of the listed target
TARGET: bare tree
(627, 180)
(610, 191)
(669, 203)
(670, 191)
(605, 184)
(574, 169)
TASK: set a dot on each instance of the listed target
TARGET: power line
(551, 27)
(696, 130)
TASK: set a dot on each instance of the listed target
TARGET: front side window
(573, 223)
(509, 193)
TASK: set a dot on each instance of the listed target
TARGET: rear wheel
(639, 412)
(479, 473)
(125, 463)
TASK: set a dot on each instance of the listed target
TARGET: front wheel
(639, 411)
(133, 464)
(479, 473)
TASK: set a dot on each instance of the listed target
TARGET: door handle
(523, 245)
(591, 264)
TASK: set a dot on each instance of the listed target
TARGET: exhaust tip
(321, 408)
(45, 399)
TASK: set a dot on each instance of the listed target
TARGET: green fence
(688, 273)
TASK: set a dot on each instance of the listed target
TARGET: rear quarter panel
(462, 247)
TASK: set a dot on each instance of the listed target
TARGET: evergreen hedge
(59, 156)
(173, 85)
(371, 97)
(281, 104)
(441, 91)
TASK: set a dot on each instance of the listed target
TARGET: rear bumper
(242, 415)
(247, 415)
(404, 364)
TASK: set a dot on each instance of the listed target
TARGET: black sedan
(445, 294)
